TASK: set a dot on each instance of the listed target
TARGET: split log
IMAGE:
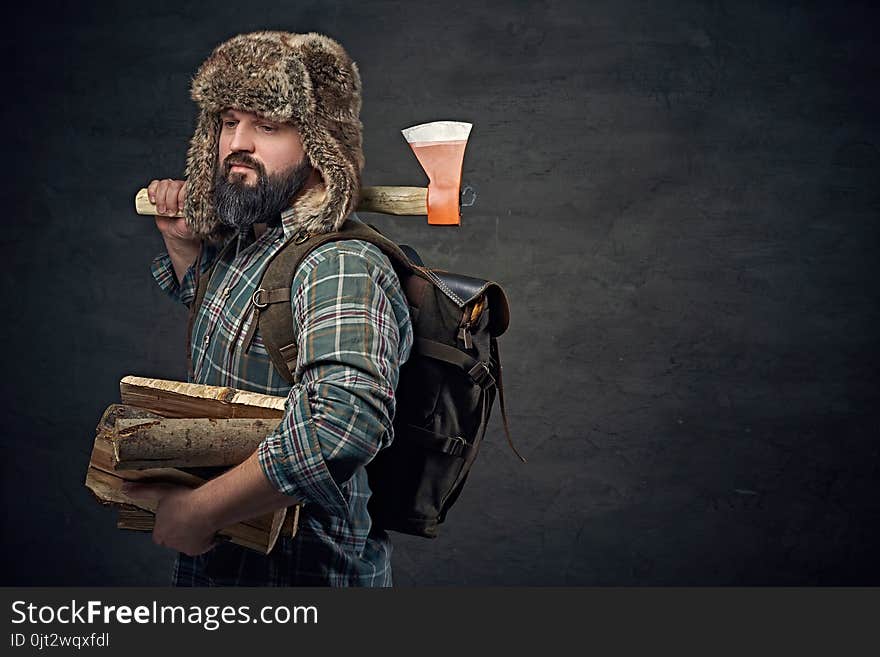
(175, 399)
(186, 442)
(105, 483)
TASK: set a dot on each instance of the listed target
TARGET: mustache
(242, 158)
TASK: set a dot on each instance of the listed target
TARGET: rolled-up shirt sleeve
(163, 273)
(183, 291)
(339, 414)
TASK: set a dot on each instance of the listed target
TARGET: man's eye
(268, 128)
(229, 124)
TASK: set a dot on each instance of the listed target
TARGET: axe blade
(439, 147)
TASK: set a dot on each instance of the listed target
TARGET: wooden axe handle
(386, 200)
(394, 200)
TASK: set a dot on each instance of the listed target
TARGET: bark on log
(187, 442)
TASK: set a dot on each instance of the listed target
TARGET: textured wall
(680, 199)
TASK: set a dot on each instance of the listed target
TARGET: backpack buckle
(255, 299)
(455, 446)
(481, 375)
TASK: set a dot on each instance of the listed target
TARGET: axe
(439, 147)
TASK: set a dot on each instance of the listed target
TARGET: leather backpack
(446, 389)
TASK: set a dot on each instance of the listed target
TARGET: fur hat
(304, 79)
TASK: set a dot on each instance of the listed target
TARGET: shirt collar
(245, 235)
(291, 226)
(288, 223)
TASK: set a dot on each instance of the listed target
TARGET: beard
(239, 204)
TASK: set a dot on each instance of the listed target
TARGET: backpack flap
(499, 317)
(464, 290)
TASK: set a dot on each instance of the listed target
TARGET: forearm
(183, 254)
(239, 494)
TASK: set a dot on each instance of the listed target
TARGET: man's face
(260, 169)
(246, 137)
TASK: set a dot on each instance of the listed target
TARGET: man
(277, 153)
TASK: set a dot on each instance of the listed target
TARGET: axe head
(439, 147)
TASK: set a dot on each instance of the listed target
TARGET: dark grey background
(680, 199)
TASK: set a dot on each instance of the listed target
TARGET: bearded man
(277, 154)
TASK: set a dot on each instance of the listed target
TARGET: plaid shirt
(353, 331)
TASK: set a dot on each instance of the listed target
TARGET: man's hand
(181, 521)
(183, 247)
(168, 196)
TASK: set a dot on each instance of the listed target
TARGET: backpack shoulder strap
(271, 301)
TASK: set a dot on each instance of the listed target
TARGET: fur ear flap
(327, 212)
(201, 164)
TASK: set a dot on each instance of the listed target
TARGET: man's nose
(242, 140)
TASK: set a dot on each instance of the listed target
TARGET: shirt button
(207, 339)
(226, 293)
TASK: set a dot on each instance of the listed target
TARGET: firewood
(176, 399)
(186, 442)
(105, 483)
